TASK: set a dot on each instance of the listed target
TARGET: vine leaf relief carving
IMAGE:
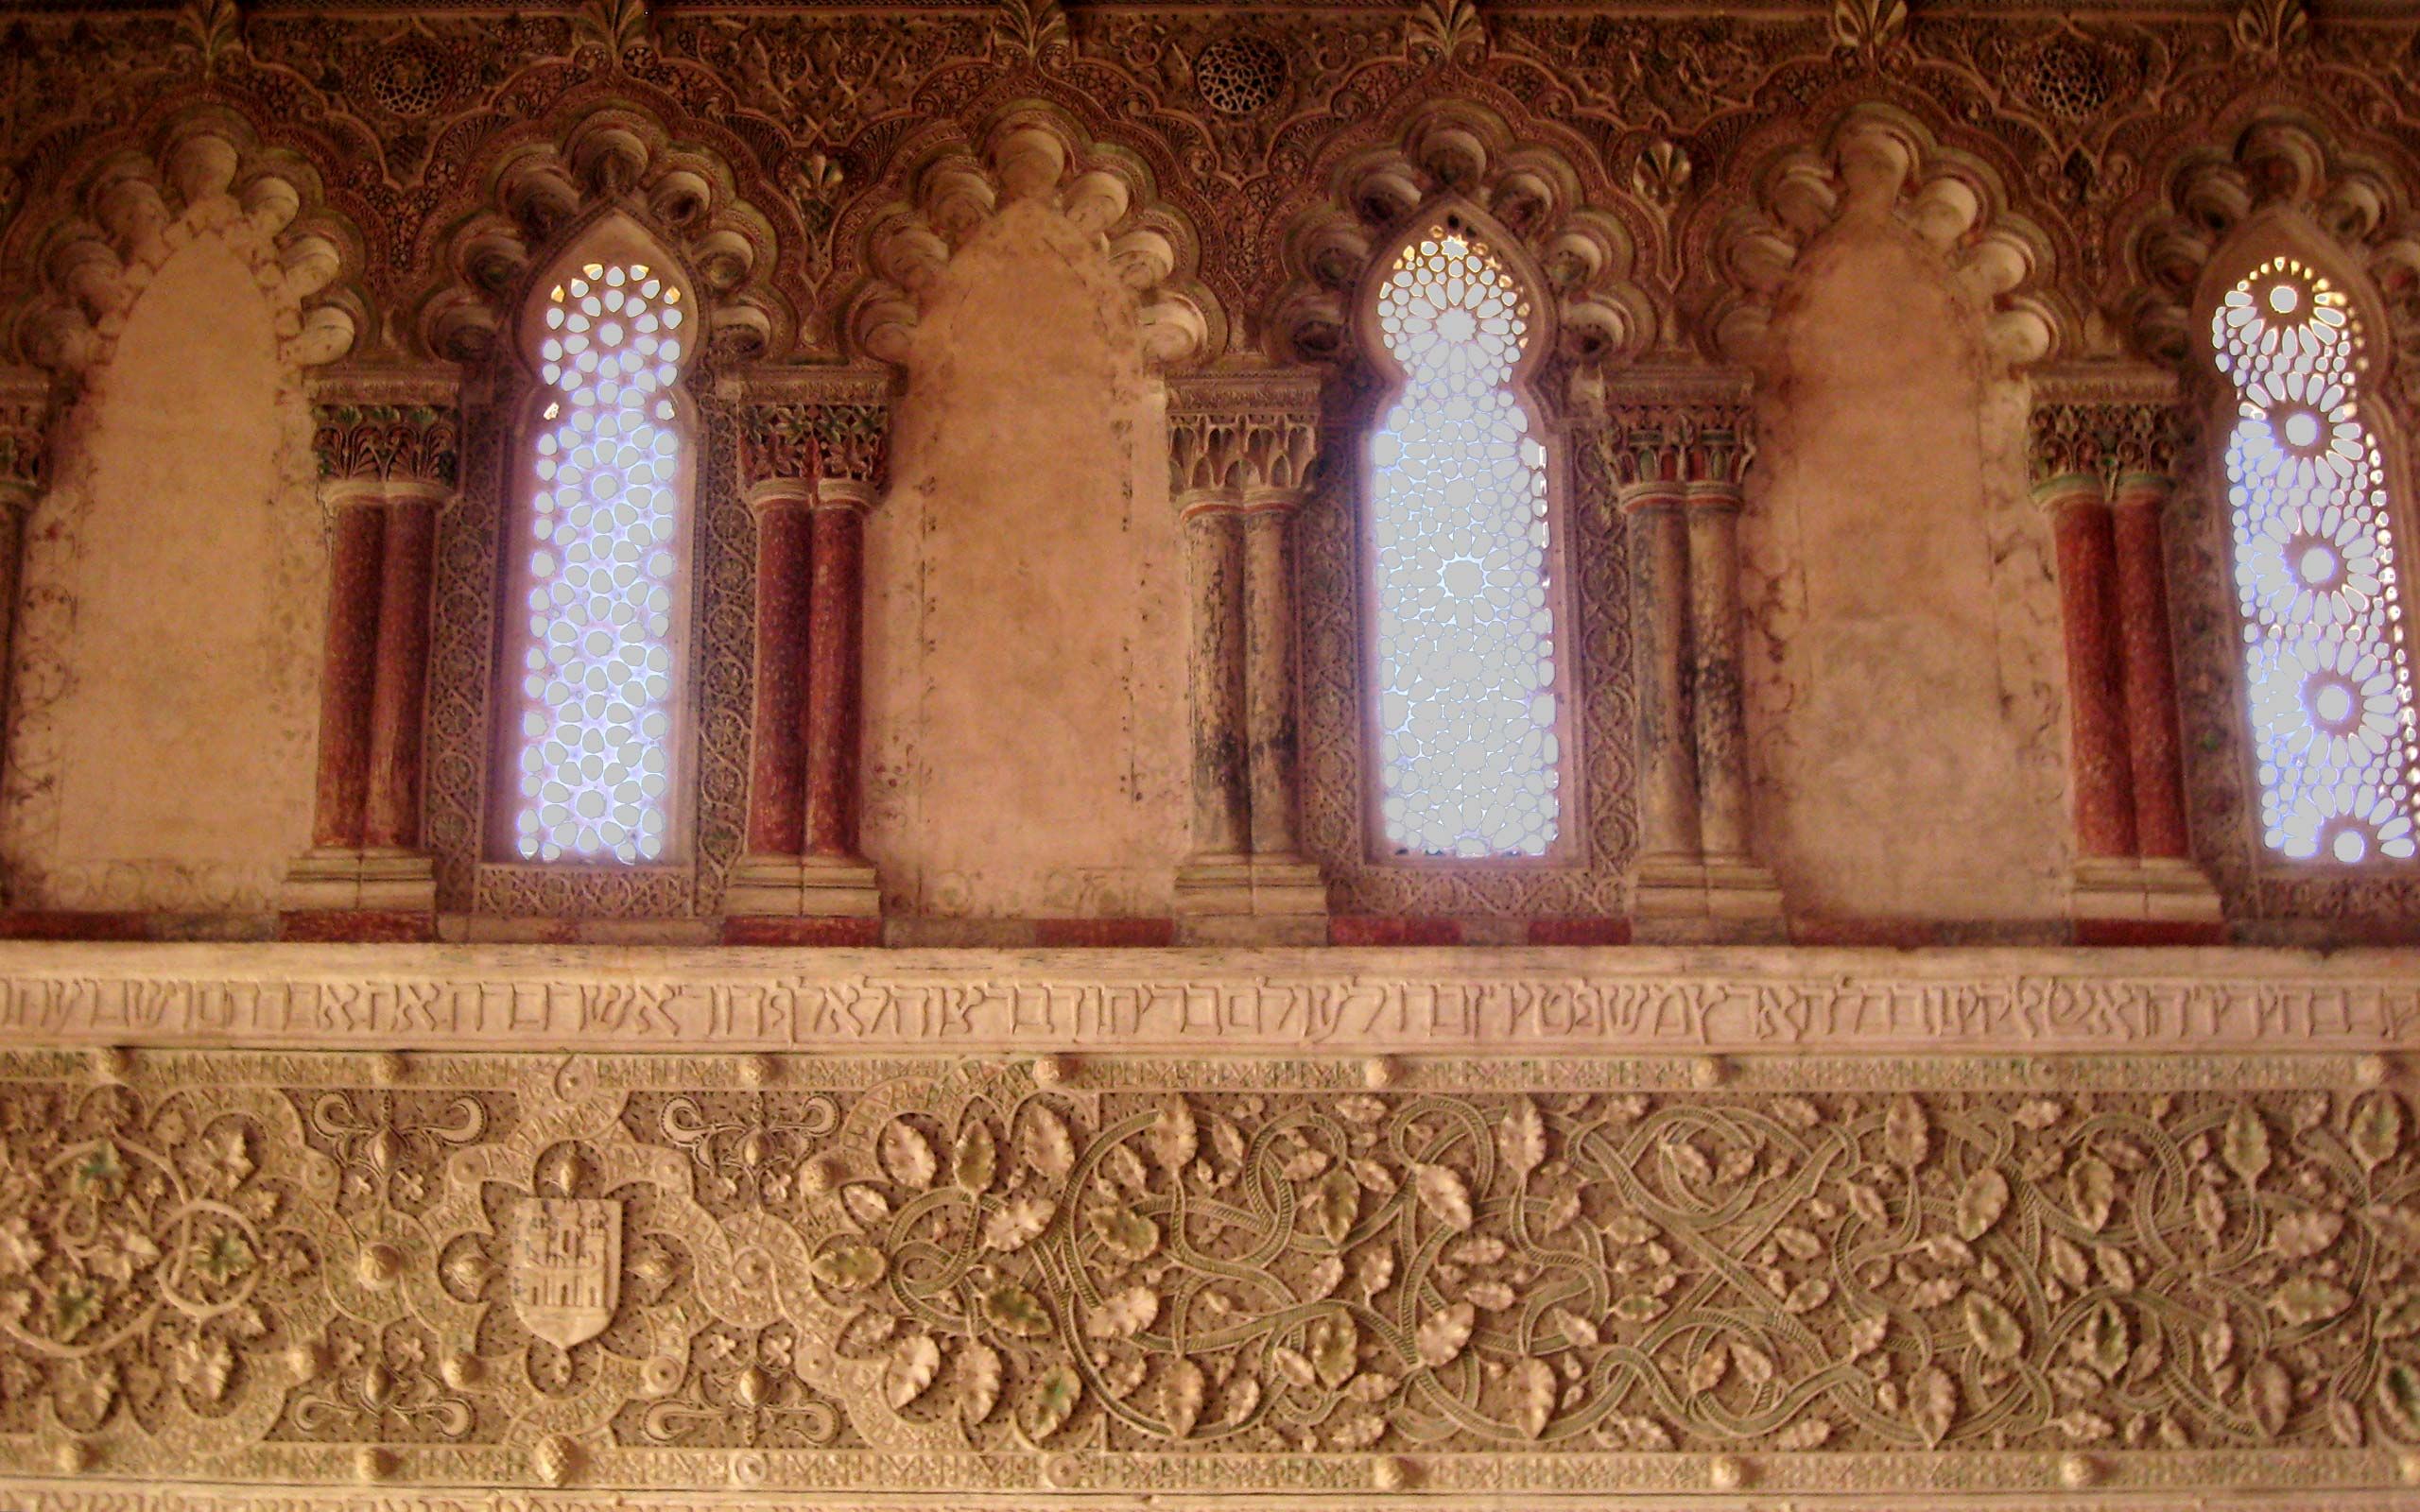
(595, 1262)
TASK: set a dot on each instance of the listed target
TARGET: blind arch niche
(597, 622)
(1460, 488)
(2319, 532)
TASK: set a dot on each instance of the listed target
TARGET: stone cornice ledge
(1467, 1000)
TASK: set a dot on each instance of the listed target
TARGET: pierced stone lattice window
(2316, 576)
(1468, 755)
(609, 478)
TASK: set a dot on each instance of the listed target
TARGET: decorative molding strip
(2136, 1279)
(1457, 1001)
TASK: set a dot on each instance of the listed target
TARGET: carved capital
(834, 442)
(418, 443)
(2103, 443)
(1251, 437)
(1678, 443)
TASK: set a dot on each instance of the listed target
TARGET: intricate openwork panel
(1469, 757)
(2326, 664)
(594, 772)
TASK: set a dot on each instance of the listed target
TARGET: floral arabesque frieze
(633, 1271)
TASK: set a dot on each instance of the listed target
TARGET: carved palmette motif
(944, 1276)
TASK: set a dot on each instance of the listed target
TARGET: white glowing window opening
(2324, 656)
(1468, 753)
(594, 766)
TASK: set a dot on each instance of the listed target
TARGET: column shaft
(835, 712)
(2103, 778)
(2149, 670)
(399, 694)
(1659, 586)
(777, 774)
(1268, 656)
(1221, 792)
(1714, 624)
(348, 673)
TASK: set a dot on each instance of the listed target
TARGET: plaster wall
(167, 665)
(1025, 672)
(1903, 649)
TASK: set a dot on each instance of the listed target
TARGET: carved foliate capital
(2103, 443)
(22, 425)
(1677, 444)
(837, 442)
(416, 443)
(1243, 436)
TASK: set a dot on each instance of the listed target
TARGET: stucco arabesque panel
(1596, 1258)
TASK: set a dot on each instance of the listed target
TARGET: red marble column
(399, 692)
(348, 670)
(776, 790)
(2150, 663)
(2102, 771)
(835, 698)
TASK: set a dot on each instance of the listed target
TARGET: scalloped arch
(944, 189)
(1878, 157)
(1536, 194)
(611, 159)
(130, 208)
(2277, 164)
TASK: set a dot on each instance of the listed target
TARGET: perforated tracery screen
(2316, 577)
(1468, 751)
(595, 768)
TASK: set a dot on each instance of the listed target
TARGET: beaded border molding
(1639, 1263)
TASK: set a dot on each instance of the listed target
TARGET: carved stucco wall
(1903, 726)
(168, 650)
(1025, 703)
(2117, 1231)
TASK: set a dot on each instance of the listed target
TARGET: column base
(803, 887)
(1250, 900)
(1704, 900)
(2127, 899)
(374, 878)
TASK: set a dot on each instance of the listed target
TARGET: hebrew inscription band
(1412, 1001)
(1879, 1277)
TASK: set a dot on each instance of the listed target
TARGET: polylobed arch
(1883, 159)
(131, 207)
(946, 191)
(1534, 196)
(609, 159)
(2283, 170)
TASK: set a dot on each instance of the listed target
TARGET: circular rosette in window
(2283, 319)
(2313, 562)
(2328, 722)
(2296, 438)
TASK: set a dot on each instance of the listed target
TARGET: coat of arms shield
(566, 1266)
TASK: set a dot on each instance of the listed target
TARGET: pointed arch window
(596, 637)
(2325, 646)
(1470, 759)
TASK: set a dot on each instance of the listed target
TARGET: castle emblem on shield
(566, 1266)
